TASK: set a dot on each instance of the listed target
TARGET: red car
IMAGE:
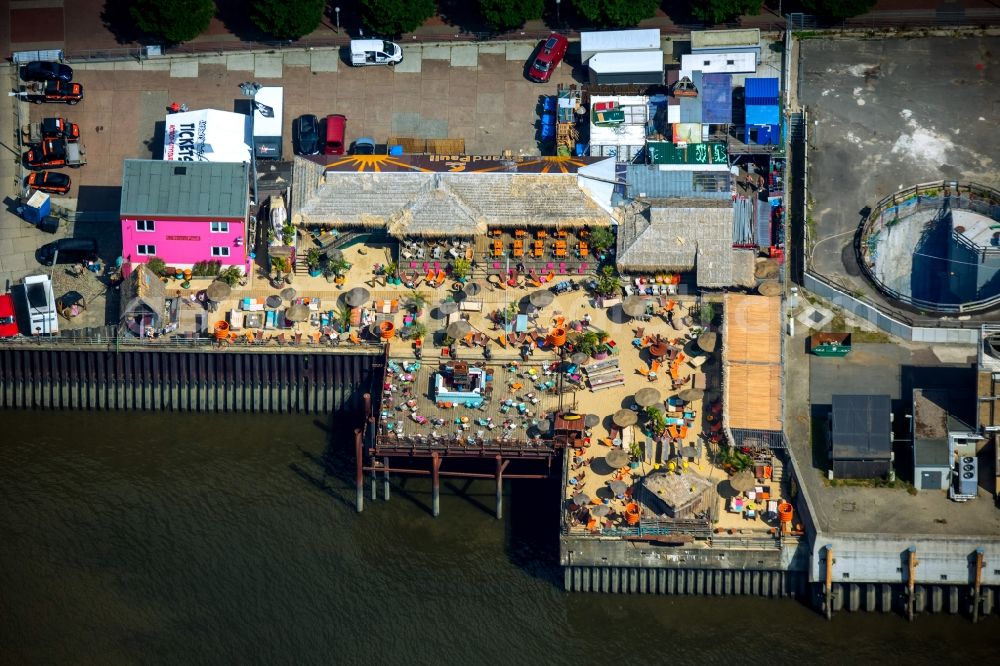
(52, 182)
(550, 54)
(8, 322)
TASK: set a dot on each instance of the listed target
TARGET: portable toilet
(36, 208)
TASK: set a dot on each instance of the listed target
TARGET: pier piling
(360, 471)
(436, 484)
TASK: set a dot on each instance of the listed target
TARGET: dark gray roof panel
(862, 429)
(159, 189)
(931, 453)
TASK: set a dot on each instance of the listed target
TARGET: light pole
(558, 20)
(336, 10)
(250, 89)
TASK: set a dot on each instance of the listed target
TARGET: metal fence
(899, 205)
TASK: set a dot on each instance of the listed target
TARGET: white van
(41, 305)
(375, 52)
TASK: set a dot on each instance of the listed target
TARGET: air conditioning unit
(968, 476)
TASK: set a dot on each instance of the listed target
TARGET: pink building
(185, 212)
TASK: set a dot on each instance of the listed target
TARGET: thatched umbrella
(471, 289)
(298, 312)
(707, 341)
(458, 329)
(591, 420)
(581, 499)
(647, 396)
(355, 297)
(600, 510)
(542, 298)
(766, 269)
(624, 418)
(289, 293)
(618, 487)
(769, 288)
(616, 458)
(691, 394)
(218, 290)
(579, 358)
(448, 307)
(742, 482)
(335, 255)
(634, 306)
(272, 301)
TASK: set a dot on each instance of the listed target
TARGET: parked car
(67, 251)
(52, 182)
(50, 128)
(49, 154)
(45, 70)
(334, 128)
(375, 52)
(550, 53)
(305, 135)
(39, 92)
(8, 320)
(363, 146)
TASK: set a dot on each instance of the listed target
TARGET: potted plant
(157, 266)
(416, 331)
(288, 234)
(416, 301)
(460, 268)
(389, 271)
(231, 276)
(657, 420)
(313, 260)
(635, 452)
(342, 318)
(608, 282)
(586, 342)
(601, 238)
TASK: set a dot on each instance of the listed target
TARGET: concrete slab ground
(465, 55)
(324, 60)
(267, 65)
(887, 114)
(184, 68)
(872, 369)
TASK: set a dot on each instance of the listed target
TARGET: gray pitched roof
(684, 238)
(443, 204)
(157, 189)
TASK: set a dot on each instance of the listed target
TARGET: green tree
(174, 20)
(287, 19)
(720, 11)
(504, 15)
(388, 18)
(837, 9)
(616, 12)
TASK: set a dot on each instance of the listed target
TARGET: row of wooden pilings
(173, 380)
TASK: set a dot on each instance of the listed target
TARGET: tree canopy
(837, 9)
(388, 18)
(504, 15)
(174, 20)
(287, 19)
(618, 13)
(720, 11)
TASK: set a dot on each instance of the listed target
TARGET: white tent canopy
(207, 135)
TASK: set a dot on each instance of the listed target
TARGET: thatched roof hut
(682, 238)
(143, 299)
(446, 204)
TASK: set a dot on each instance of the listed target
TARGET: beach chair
(551, 276)
(315, 336)
(643, 371)
(502, 340)
(280, 338)
(441, 277)
(297, 339)
(353, 337)
(429, 277)
(655, 367)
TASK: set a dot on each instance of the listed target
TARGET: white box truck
(41, 305)
(267, 120)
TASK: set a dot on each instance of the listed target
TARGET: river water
(193, 538)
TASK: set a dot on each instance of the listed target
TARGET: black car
(44, 70)
(71, 251)
(305, 134)
(52, 182)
